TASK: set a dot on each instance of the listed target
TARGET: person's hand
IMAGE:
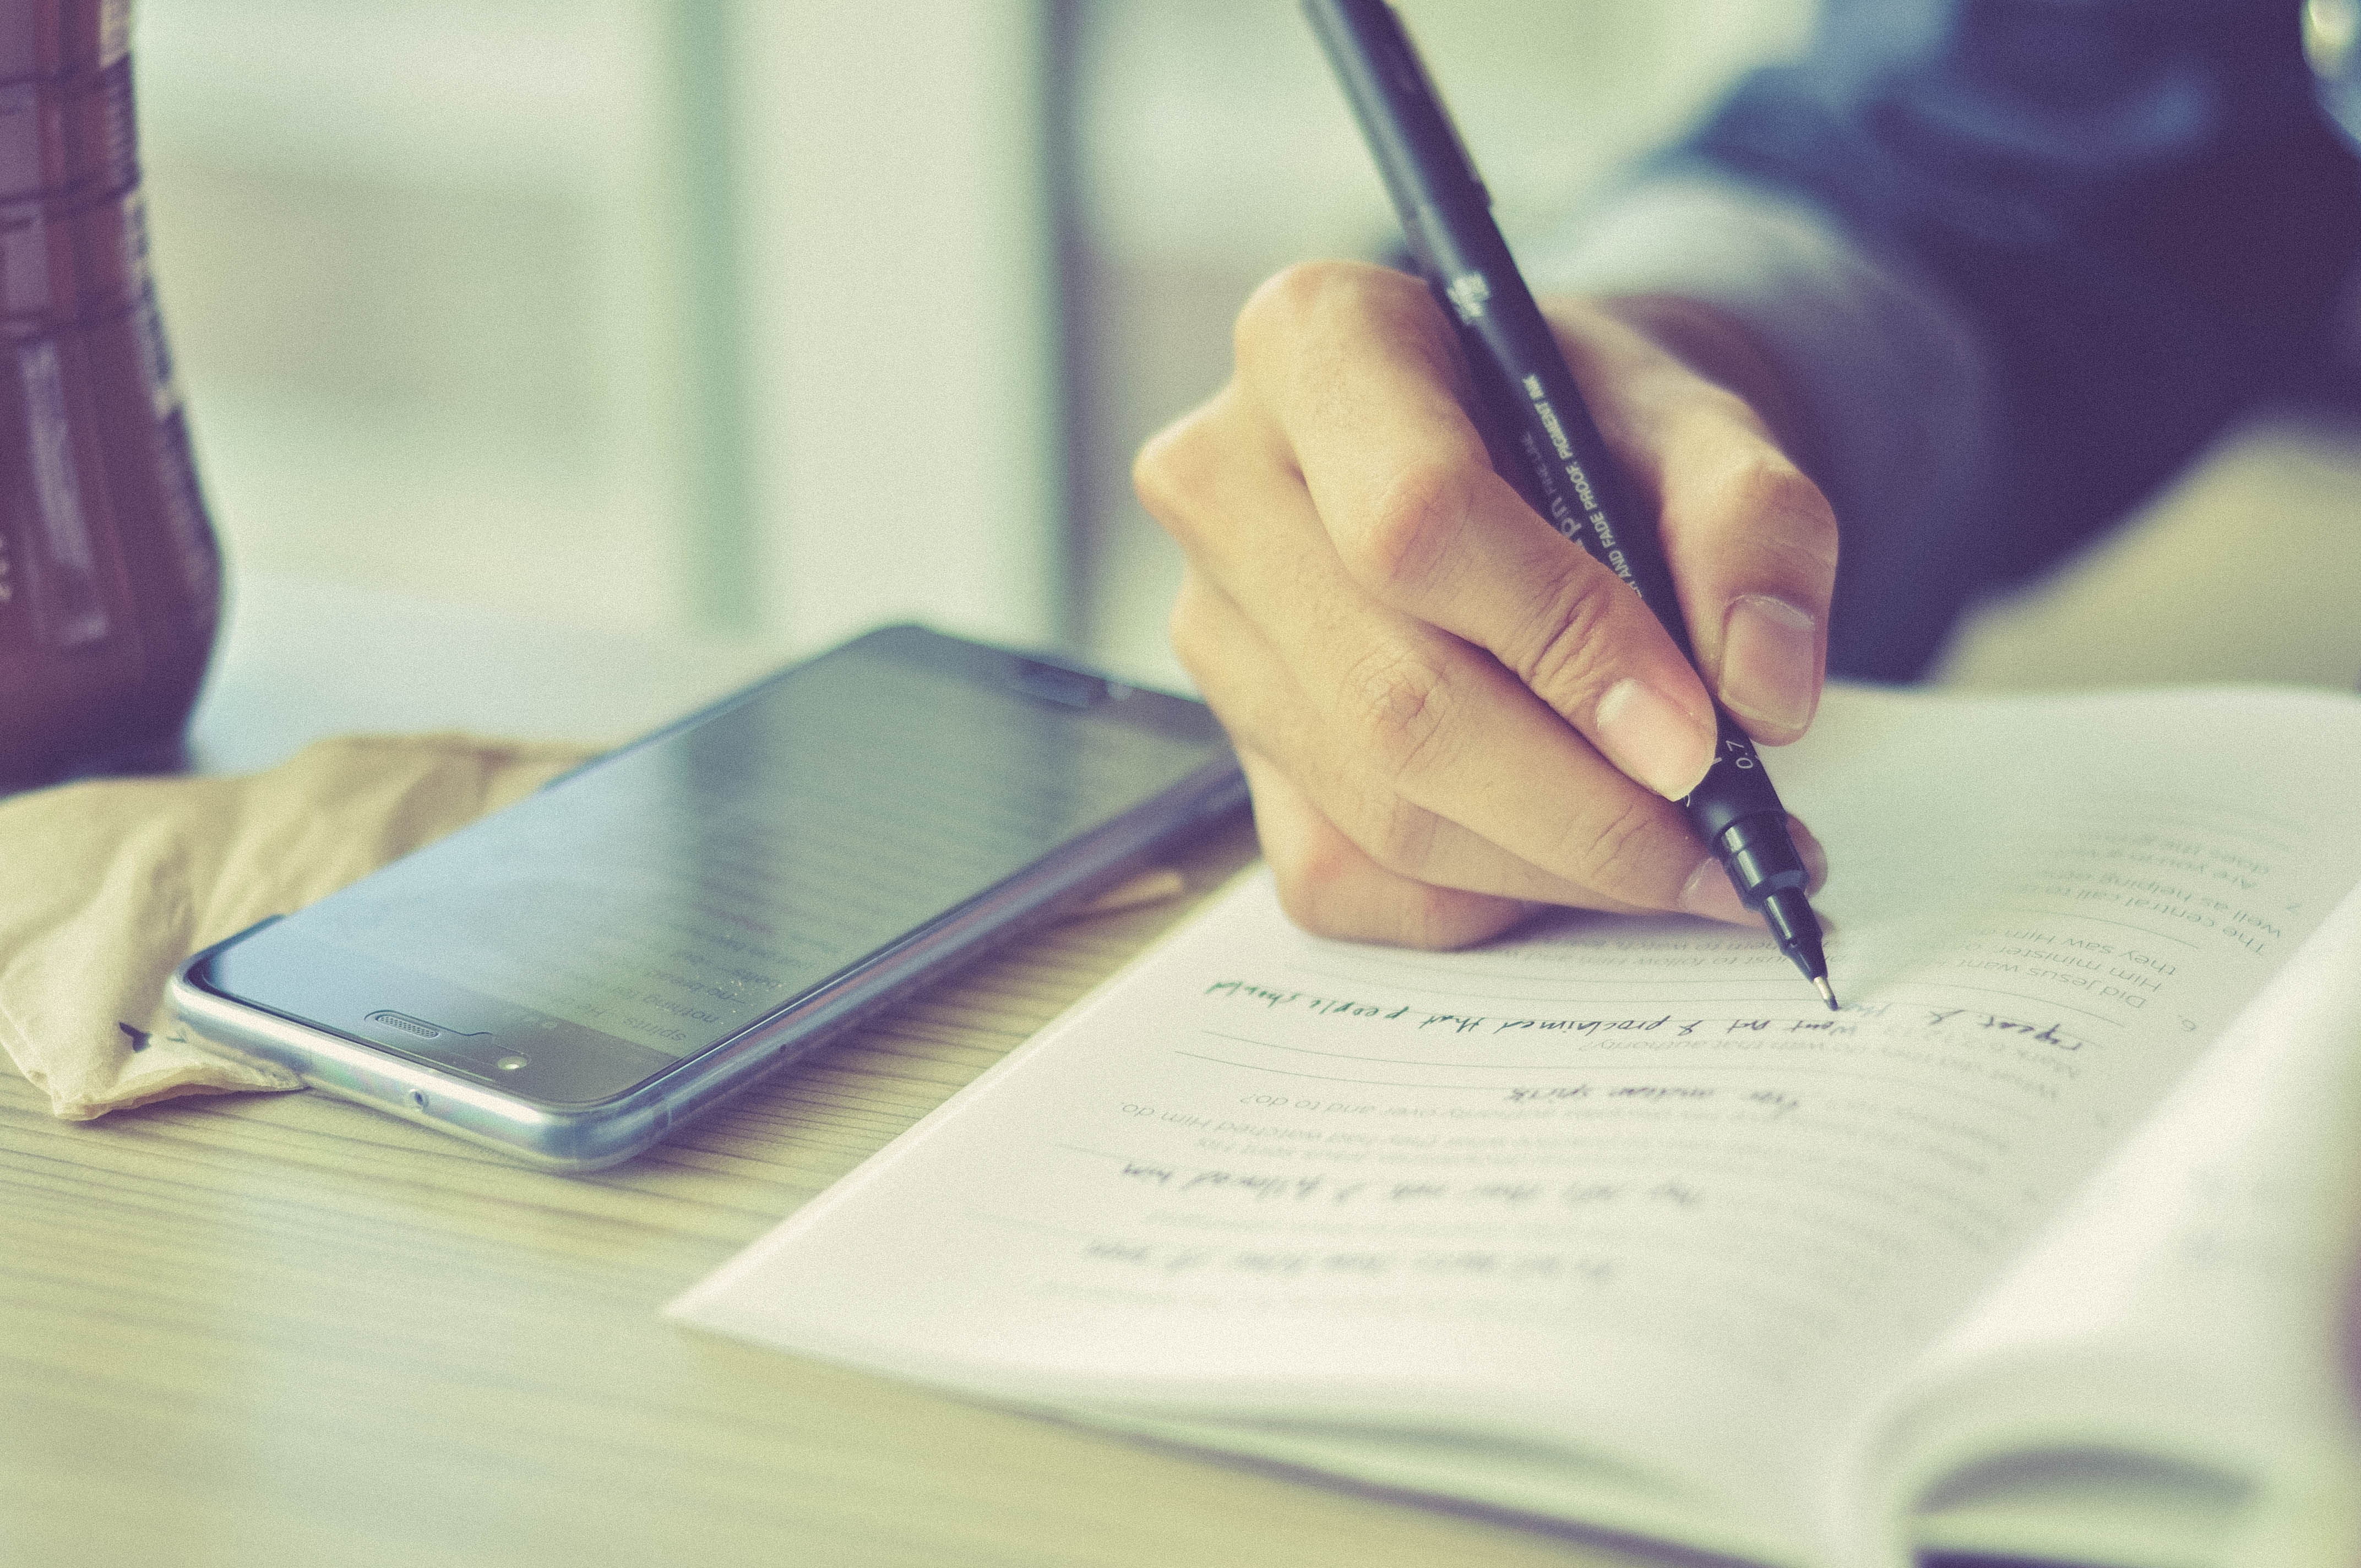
(1448, 713)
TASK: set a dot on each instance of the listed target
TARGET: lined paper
(1619, 1187)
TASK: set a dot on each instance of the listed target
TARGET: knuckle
(1412, 534)
(1311, 298)
(1317, 887)
(1328, 891)
(1398, 836)
(1791, 517)
(1191, 630)
(1437, 919)
(1306, 291)
(1294, 290)
(1564, 652)
(1398, 700)
(1173, 474)
(1618, 857)
(1286, 304)
(1711, 403)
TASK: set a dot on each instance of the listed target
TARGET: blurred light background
(767, 321)
(731, 317)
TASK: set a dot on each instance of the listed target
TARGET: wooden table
(282, 1329)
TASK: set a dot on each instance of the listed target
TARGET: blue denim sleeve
(2136, 208)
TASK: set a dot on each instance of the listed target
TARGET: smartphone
(572, 978)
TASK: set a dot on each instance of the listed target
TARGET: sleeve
(2020, 259)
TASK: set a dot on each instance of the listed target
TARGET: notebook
(2037, 1248)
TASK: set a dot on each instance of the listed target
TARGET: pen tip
(1827, 994)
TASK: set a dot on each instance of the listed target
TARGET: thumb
(1750, 541)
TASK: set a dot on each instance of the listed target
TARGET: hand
(1449, 714)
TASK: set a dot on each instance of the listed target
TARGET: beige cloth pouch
(106, 886)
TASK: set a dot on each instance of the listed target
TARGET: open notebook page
(1617, 1188)
(2170, 1342)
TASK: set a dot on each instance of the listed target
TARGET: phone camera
(512, 1063)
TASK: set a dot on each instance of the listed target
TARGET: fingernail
(1653, 738)
(1709, 894)
(1768, 662)
(1808, 845)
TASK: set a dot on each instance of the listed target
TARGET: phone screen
(669, 895)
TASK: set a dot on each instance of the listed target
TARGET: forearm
(2011, 266)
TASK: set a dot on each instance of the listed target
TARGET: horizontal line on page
(1035, 1226)
(2077, 915)
(1332, 1077)
(1646, 984)
(1472, 1066)
(2196, 809)
(1759, 1072)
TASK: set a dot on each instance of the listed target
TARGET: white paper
(2189, 1305)
(1617, 1188)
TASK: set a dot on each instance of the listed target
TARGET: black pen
(1567, 475)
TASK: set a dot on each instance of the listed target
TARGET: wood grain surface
(282, 1328)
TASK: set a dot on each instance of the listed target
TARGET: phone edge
(571, 1142)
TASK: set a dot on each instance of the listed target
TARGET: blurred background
(730, 317)
(735, 319)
